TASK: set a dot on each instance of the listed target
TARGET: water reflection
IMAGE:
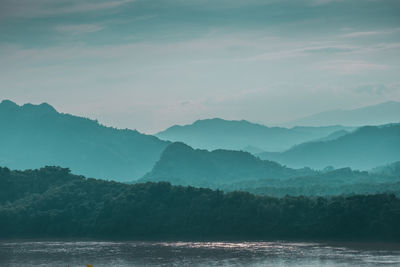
(101, 254)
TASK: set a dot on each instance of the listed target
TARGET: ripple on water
(123, 254)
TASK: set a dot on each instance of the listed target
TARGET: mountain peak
(8, 104)
(220, 121)
(43, 108)
(177, 147)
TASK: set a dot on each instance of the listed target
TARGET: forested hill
(392, 169)
(33, 136)
(365, 148)
(238, 135)
(182, 165)
(53, 203)
(235, 170)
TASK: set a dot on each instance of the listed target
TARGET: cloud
(302, 51)
(78, 29)
(351, 66)
(360, 34)
(41, 8)
(377, 89)
(328, 49)
(322, 2)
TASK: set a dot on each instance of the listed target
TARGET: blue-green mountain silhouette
(32, 136)
(181, 164)
(383, 113)
(392, 169)
(240, 135)
(364, 148)
(230, 170)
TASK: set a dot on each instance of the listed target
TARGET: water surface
(102, 254)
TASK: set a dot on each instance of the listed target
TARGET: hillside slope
(383, 113)
(240, 135)
(32, 136)
(364, 148)
(183, 165)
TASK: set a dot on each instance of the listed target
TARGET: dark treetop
(51, 202)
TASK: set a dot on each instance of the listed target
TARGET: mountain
(332, 136)
(237, 170)
(392, 169)
(238, 135)
(384, 113)
(364, 148)
(32, 136)
(253, 150)
(183, 165)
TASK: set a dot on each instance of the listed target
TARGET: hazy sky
(149, 64)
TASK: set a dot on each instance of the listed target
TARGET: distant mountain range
(383, 113)
(180, 164)
(33, 136)
(364, 148)
(236, 170)
(392, 169)
(243, 135)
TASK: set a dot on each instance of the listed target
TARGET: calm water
(101, 254)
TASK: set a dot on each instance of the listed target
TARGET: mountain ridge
(183, 165)
(381, 113)
(218, 133)
(38, 135)
(364, 148)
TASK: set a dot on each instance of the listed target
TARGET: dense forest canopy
(52, 202)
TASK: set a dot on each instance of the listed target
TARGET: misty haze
(199, 133)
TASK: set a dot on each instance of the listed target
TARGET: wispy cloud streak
(40, 8)
(78, 29)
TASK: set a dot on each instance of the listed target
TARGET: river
(123, 254)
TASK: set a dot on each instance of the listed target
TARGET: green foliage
(51, 202)
(322, 183)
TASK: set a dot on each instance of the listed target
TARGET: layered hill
(180, 164)
(229, 170)
(392, 169)
(364, 148)
(383, 113)
(241, 135)
(32, 136)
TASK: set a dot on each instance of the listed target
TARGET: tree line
(53, 203)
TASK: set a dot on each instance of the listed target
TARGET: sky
(150, 64)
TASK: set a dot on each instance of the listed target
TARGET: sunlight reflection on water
(102, 254)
